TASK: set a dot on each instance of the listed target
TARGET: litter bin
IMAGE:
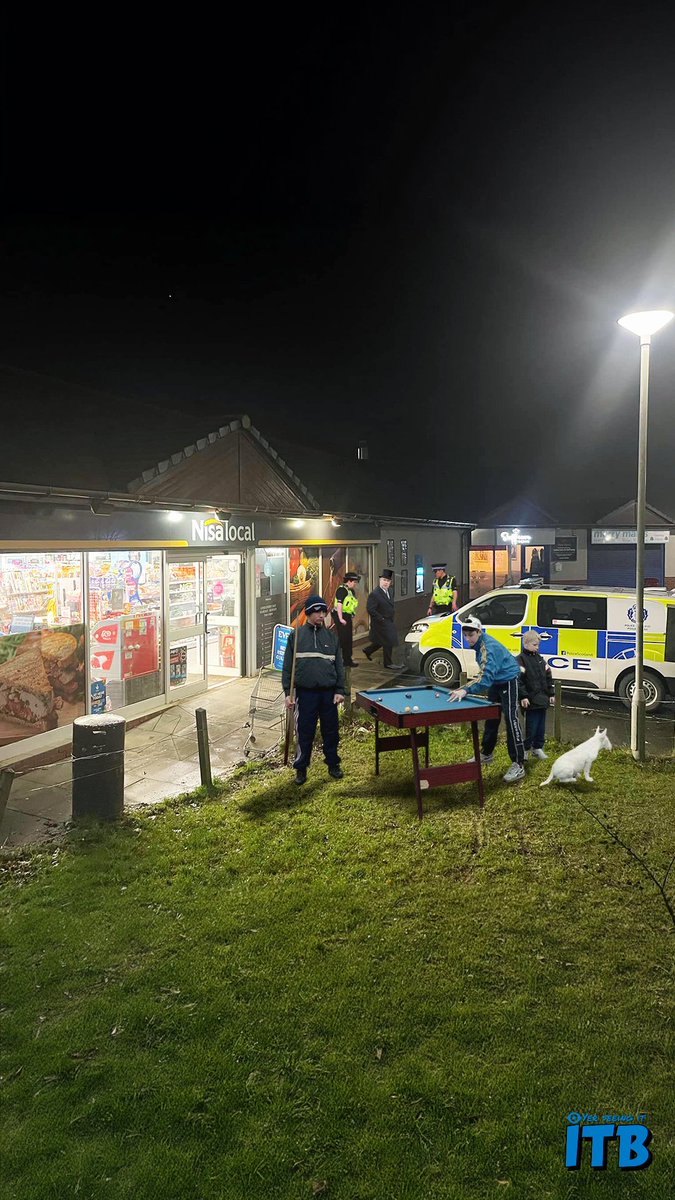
(98, 767)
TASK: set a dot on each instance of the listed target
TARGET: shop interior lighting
(173, 516)
(298, 524)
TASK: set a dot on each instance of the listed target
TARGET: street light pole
(637, 710)
(644, 324)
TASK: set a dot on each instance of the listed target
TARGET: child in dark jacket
(536, 691)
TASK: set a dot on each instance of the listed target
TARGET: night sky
(415, 229)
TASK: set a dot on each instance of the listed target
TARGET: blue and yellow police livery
(588, 637)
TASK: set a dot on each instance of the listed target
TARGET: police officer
(319, 687)
(346, 604)
(444, 598)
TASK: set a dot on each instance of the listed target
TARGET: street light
(644, 324)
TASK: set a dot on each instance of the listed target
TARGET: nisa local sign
(213, 530)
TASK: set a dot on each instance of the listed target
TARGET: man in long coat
(383, 633)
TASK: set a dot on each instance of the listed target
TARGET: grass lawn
(295, 992)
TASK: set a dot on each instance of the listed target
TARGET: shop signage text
(623, 536)
(212, 530)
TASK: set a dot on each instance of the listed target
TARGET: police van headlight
(420, 627)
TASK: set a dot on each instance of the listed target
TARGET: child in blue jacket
(498, 675)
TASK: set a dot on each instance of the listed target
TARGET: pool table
(415, 709)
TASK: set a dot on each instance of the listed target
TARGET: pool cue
(291, 711)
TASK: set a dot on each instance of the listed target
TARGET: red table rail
(416, 709)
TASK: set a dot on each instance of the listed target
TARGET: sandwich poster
(41, 681)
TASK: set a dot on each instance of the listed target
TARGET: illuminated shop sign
(212, 530)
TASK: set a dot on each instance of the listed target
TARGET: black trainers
(301, 776)
(336, 772)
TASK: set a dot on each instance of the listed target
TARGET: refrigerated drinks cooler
(125, 654)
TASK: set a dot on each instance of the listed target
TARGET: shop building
(130, 600)
(519, 540)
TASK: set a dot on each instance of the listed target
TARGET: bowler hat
(316, 604)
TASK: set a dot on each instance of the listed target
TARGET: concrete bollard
(98, 767)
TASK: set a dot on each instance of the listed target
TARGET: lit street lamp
(644, 324)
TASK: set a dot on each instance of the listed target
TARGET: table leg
(416, 771)
(476, 753)
(426, 746)
(377, 746)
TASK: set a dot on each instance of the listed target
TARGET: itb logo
(632, 1136)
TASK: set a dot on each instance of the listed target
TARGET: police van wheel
(442, 669)
(653, 688)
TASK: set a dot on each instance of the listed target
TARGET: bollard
(203, 747)
(98, 767)
(557, 711)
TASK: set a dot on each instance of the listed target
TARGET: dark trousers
(386, 652)
(345, 636)
(312, 705)
(505, 694)
(535, 728)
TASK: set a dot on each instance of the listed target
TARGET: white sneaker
(540, 754)
(514, 773)
(484, 758)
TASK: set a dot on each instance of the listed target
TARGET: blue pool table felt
(427, 699)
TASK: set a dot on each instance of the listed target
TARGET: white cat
(571, 765)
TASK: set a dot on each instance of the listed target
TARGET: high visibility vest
(349, 604)
(443, 591)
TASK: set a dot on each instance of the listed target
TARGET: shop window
(572, 612)
(42, 643)
(501, 610)
(534, 560)
(481, 571)
(335, 561)
(304, 566)
(125, 607)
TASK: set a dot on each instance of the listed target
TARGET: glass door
(223, 606)
(187, 626)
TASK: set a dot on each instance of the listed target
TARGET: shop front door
(224, 617)
(187, 626)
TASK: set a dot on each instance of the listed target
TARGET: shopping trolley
(267, 709)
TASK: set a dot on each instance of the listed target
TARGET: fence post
(98, 767)
(6, 781)
(348, 693)
(203, 747)
(557, 711)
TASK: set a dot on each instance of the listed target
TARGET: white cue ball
(416, 708)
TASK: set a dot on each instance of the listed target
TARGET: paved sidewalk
(161, 758)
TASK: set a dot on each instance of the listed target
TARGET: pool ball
(416, 708)
(407, 708)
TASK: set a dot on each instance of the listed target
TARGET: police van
(588, 638)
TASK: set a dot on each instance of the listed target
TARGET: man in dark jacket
(536, 691)
(380, 607)
(319, 687)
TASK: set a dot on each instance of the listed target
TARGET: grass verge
(291, 992)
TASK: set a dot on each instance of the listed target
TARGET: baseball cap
(471, 623)
(316, 604)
